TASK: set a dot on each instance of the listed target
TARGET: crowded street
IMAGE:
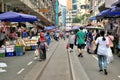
(57, 66)
(59, 39)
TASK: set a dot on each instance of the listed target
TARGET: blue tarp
(17, 17)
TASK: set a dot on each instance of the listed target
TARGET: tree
(78, 19)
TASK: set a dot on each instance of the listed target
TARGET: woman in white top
(103, 44)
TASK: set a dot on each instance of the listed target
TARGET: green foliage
(78, 19)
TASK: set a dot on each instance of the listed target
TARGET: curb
(78, 72)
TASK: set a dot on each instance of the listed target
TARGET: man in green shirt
(81, 41)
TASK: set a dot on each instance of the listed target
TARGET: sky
(63, 2)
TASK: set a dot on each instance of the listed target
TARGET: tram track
(46, 64)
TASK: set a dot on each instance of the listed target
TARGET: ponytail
(102, 33)
(103, 38)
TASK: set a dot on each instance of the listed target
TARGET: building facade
(69, 5)
(56, 13)
(43, 9)
(62, 16)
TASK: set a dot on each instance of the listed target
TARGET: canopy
(49, 28)
(112, 12)
(93, 27)
(17, 17)
(75, 27)
(68, 28)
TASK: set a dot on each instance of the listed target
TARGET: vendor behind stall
(2, 37)
(25, 35)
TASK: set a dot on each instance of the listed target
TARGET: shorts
(81, 46)
(71, 46)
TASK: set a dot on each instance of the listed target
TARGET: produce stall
(20, 47)
(31, 44)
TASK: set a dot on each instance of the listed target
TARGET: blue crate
(18, 48)
(10, 54)
(18, 53)
(33, 47)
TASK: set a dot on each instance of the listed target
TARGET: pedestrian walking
(42, 45)
(71, 41)
(111, 39)
(48, 38)
(103, 44)
(80, 41)
(89, 41)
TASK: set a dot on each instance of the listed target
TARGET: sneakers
(100, 70)
(80, 55)
(105, 72)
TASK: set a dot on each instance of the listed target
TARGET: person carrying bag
(42, 45)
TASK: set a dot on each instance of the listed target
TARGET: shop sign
(43, 10)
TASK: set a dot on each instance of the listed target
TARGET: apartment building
(62, 15)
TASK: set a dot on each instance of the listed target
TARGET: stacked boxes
(10, 50)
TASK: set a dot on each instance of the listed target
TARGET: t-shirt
(110, 38)
(72, 39)
(102, 45)
(80, 37)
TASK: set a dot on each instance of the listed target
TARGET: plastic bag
(37, 53)
(109, 55)
(67, 46)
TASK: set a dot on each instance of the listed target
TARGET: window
(74, 7)
(84, 6)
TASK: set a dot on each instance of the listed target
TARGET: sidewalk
(56, 67)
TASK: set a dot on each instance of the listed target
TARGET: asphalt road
(19, 66)
(90, 65)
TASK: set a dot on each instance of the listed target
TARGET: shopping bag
(109, 55)
(41, 54)
(37, 53)
(67, 46)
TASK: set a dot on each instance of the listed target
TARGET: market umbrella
(115, 9)
(112, 12)
(49, 28)
(93, 27)
(103, 13)
(17, 17)
(57, 30)
(75, 27)
(68, 28)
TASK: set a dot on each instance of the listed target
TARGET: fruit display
(20, 42)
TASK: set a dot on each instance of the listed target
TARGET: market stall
(14, 46)
(31, 44)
